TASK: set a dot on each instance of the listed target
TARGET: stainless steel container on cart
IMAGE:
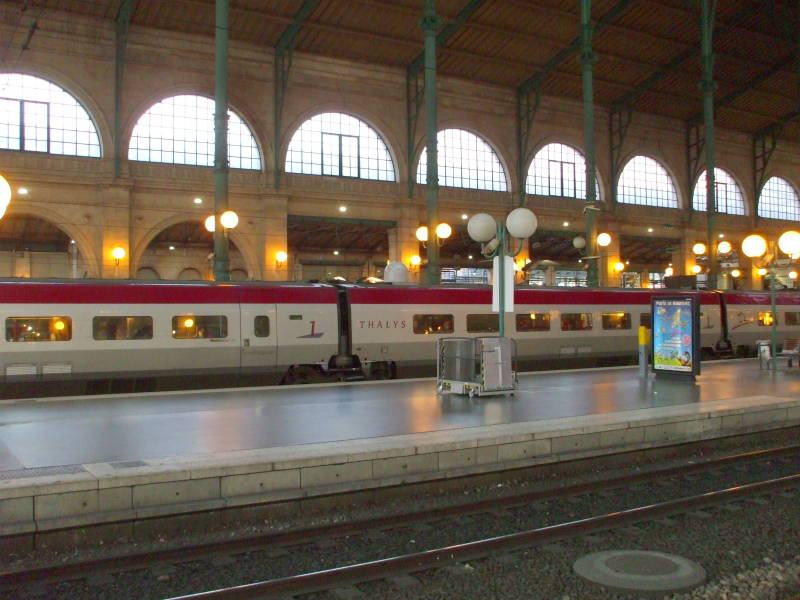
(479, 366)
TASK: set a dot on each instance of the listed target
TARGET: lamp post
(229, 220)
(519, 224)
(756, 246)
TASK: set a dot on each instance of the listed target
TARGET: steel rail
(14, 578)
(409, 563)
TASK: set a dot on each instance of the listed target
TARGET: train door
(259, 337)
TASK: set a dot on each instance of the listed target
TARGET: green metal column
(587, 59)
(430, 23)
(222, 271)
(120, 42)
(708, 7)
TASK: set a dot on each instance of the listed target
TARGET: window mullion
(22, 125)
(341, 159)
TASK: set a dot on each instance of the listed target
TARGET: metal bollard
(644, 345)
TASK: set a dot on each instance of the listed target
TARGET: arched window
(728, 195)
(339, 145)
(180, 130)
(39, 116)
(779, 200)
(644, 181)
(558, 170)
(465, 161)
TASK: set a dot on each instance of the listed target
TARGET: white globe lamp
(521, 223)
(443, 231)
(579, 242)
(724, 247)
(603, 239)
(422, 233)
(229, 219)
(754, 246)
(481, 227)
(210, 223)
(789, 243)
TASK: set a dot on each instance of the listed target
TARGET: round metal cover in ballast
(640, 572)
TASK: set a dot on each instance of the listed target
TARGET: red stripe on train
(570, 296)
(87, 293)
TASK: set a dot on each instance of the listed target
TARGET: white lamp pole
(520, 224)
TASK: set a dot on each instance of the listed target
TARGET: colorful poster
(674, 334)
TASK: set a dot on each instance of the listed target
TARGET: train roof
(482, 294)
(88, 291)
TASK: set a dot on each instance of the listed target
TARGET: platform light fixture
(696, 269)
(699, 249)
(619, 266)
(229, 220)
(415, 260)
(736, 273)
(724, 247)
(342, 209)
(23, 191)
(443, 231)
(118, 252)
(792, 275)
(669, 272)
(281, 257)
(198, 200)
(603, 239)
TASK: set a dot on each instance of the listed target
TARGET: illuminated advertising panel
(676, 335)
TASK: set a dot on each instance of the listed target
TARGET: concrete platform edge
(184, 484)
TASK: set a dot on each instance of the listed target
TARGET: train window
(576, 321)
(645, 320)
(198, 326)
(533, 322)
(765, 319)
(433, 324)
(792, 318)
(482, 323)
(617, 320)
(122, 328)
(261, 326)
(38, 329)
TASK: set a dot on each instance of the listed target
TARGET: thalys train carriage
(79, 337)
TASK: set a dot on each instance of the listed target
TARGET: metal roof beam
(730, 97)
(676, 62)
(446, 33)
(573, 48)
(289, 34)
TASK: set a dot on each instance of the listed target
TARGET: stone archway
(184, 251)
(31, 246)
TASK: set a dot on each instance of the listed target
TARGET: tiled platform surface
(73, 462)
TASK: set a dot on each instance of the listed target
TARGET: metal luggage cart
(481, 366)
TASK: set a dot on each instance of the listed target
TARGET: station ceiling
(648, 50)
(648, 55)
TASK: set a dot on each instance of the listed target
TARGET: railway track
(14, 581)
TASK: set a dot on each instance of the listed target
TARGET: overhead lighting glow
(198, 200)
(343, 208)
(23, 191)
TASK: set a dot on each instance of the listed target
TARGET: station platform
(67, 462)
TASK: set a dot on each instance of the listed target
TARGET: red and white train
(76, 337)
